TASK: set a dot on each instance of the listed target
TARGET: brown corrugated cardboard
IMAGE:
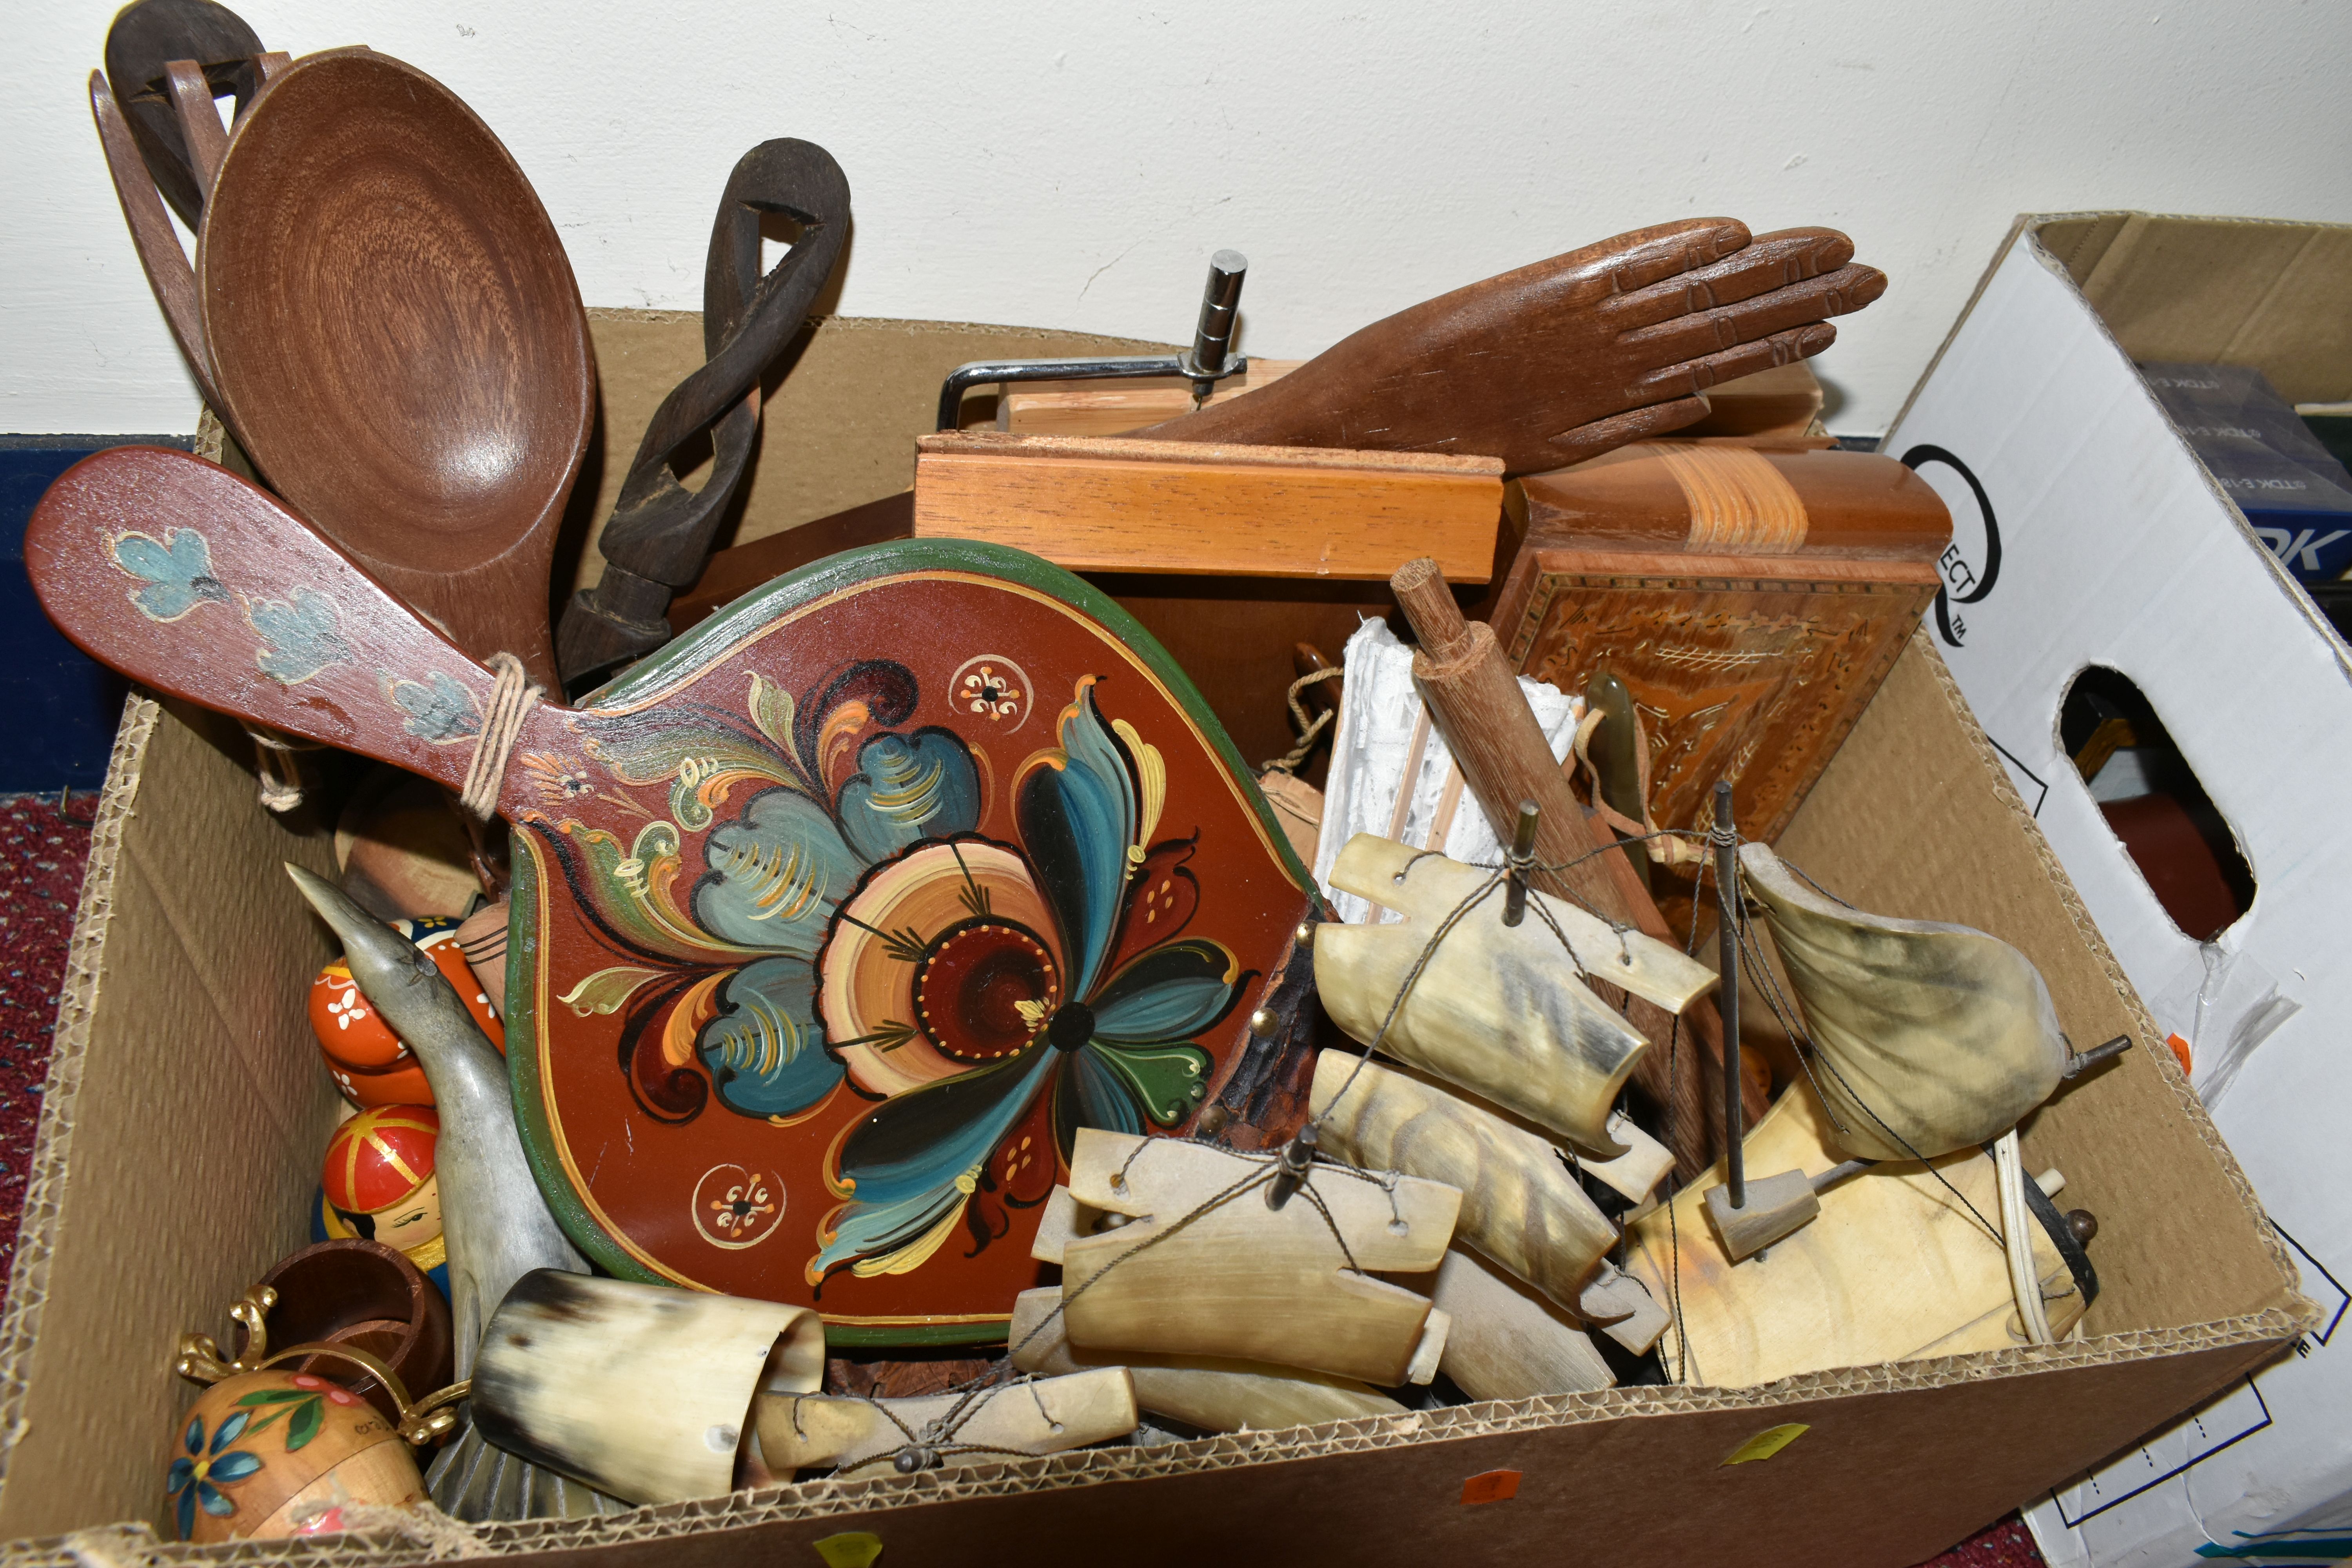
(185, 1113)
(185, 1116)
(2218, 291)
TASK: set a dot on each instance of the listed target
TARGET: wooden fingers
(1693, 376)
(1642, 257)
(1772, 262)
(1782, 310)
(1617, 430)
(1592, 276)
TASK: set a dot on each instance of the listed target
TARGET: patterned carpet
(42, 847)
(43, 844)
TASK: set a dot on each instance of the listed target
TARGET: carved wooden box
(1750, 598)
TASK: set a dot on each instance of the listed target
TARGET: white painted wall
(1072, 162)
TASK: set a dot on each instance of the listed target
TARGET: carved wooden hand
(1565, 360)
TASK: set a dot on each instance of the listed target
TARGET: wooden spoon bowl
(399, 340)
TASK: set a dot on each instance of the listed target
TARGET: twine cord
(1267, 1165)
(277, 779)
(511, 699)
(1309, 730)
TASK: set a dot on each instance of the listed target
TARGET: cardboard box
(2088, 533)
(185, 1115)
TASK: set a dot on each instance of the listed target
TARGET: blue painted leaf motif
(301, 638)
(1077, 814)
(913, 1163)
(1169, 992)
(215, 1501)
(230, 1430)
(908, 788)
(1091, 1095)
(766, 1049)
(187, 1511)
(776, 872)
(237, 1465)
(438, 708)
(177, 570)
(1139, 1063)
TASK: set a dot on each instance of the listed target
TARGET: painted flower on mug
(196, 1479)
(869, 936)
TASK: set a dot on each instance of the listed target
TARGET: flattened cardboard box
(185, 1113)
(2086, 532)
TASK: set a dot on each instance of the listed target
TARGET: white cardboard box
(2085, 531)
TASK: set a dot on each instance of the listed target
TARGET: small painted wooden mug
(268, 1452)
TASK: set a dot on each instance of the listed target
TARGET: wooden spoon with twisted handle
(1565, 360)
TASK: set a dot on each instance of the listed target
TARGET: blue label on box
(2315, 546)
(2296, 496)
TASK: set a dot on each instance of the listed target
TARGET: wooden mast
(1474, 698)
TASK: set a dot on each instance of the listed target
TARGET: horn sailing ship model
(1897, 1220)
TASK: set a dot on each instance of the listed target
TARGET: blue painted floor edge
(61, 708)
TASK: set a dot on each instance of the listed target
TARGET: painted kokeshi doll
(373, 1066)
(271, 1454)
(379, 1183)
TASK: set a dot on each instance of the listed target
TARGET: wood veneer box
(1112, 504)
(184, 1113)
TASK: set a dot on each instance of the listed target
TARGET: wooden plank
(1108, 505)
(1115, 407)
(1783, 401)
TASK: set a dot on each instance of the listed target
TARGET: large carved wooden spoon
(397, 340)
(1566, 359)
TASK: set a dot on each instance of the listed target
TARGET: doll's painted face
(408, 1223)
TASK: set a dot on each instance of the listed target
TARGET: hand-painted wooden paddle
(833, 921)
(397, 341)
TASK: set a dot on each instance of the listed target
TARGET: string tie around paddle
(511, 699)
